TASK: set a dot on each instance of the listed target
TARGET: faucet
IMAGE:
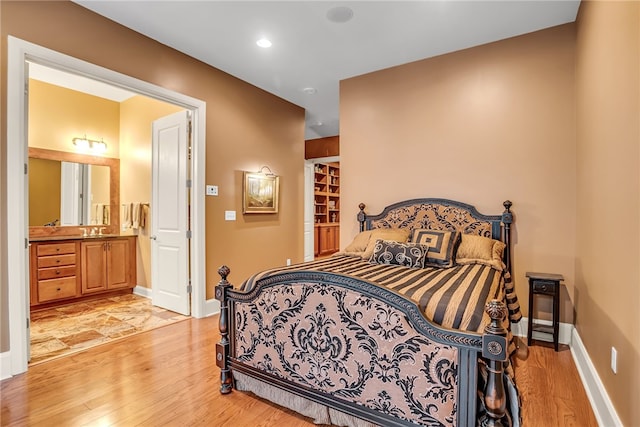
(93, 231)
(84, 231)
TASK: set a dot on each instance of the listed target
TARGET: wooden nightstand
(545, 284)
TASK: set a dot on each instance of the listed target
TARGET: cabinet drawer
(543, 287)
(56, 249)
(56, 272)
(58, 260)
(49, 290)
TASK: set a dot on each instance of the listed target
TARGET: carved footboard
(360, 349)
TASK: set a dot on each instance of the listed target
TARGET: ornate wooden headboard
(442, 214)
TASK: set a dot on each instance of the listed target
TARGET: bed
(409, 325)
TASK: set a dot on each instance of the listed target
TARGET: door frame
(308, 204)
(18, 52)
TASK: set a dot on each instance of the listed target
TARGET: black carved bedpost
(494, 350)
(222, 348)
(507, 219)
(362, 217)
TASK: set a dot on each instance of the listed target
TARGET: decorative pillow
(476, 249)
(406, 254)
(394, 234)
(360, 242)
(442, 246)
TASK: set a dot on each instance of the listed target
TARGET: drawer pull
(57, 271)
(57, 289)
(57, 261)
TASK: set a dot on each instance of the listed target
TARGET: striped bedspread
(451, 297)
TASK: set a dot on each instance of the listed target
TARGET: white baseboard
(5, 365)
(603, 409)
(521, 328)
(142, 291)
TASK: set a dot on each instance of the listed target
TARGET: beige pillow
(359, 243)
(481, 250)
(394, 234)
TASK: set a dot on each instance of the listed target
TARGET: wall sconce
(264, 173)
(85, 144)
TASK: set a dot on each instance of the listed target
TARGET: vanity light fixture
(81, 143)
(85, 144)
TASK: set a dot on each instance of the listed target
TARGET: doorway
(310, 236)
(19, 53)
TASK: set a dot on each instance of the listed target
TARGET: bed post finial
(507, 219)
(222, 348)
(494, 350)
(362, 216)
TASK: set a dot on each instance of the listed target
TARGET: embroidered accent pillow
(396, 253)
(393, 234)
(442, 246)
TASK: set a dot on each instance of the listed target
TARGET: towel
(99, 214)
(135, 216)
(126, 216)
(144, 214)
(106, 214)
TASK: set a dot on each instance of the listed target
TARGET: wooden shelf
(327, 207)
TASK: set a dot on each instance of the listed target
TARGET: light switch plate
(229, 215)
(212, 190)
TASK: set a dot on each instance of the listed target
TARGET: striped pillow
(442, 246)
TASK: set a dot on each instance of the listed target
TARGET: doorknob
(153, 237)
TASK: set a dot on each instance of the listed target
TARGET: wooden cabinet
(327, 208)
(55, 272)
(75, 268)
(327, 239)
(106, 265)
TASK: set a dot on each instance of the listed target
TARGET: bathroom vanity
(65, 269)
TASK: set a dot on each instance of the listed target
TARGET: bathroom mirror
(68, 191)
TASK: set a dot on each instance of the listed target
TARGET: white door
(169, 214)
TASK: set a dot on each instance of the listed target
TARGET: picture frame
(260, 193)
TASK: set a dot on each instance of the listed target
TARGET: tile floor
(63, 330)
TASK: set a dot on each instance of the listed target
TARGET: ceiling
(313, 49)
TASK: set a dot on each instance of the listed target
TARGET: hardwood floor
(168, 377)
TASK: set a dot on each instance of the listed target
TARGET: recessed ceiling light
(310, 90)
(340, 14)
(263, 43)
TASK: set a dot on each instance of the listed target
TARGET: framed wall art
(260, 193)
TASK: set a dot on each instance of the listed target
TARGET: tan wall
(608, 196)
(240, 119)
(136, 117)
(481, 125)
(57, 115)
